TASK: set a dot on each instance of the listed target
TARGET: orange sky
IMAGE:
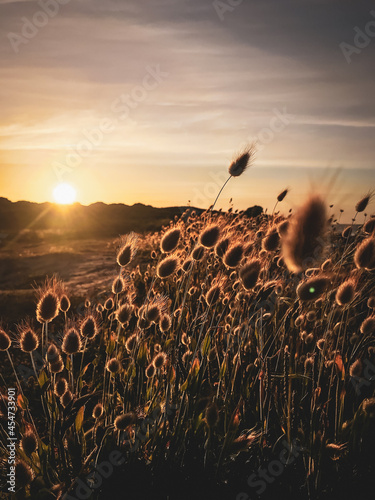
(148, 101)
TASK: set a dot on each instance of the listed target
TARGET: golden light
(64, 194)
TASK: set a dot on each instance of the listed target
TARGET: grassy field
(221, 357)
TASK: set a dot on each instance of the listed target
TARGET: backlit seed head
(131, 342)
(48, 307)
(198, 253)
(222, 246)
(356, 368)
(243, 161)
(125, 420)
(29, 442)
(170, 240)
(24, 474)
(159, 360)
(98, 411)
(28, 339)
(165, 323)
(71, 342)
(52, 353)
(368, 325)
(282, 195)
(362, 204)
(150, 371)
(271, 242)
(346, 292)
(364, 257)
(209, 236)
(127, 249)
(124, 314)
(249, 273)
(187, 264)
(57, 366)
(312, 288)
(5, 341)
(61, 386)
(233, 255)
(371, 302)
(64, 303)
(113, 365)
(109, 304)
(89, 327)
(118, 285)
(167, 266)
(213, 294)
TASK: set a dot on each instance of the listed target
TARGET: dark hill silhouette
(97, 219)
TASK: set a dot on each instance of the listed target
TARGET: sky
(149, 100)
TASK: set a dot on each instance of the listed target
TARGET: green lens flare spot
(312, 289)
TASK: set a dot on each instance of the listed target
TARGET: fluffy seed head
(52, 353)
(305, 236)
(5, 341)
(29, 442)
(242, 162)
(28, 339)
(118, 285)
(313, 288)
(233, 255)
(113, 365)
(249, 273)
(57, 366)
(24, 474)
(127, 249)
(271, 241)
(150, 371)
(89, 327)
(159, 360)
(209, 236)
(213, 294)
(165, 323)
(167, 267)
(98, 411)
(131, 342)
(355, 369)
(48, 307)
(64, 303)
(61, 387)
(368, 325)
(371, 302)
(221, 247)
(364, 257)
(282, 228)
(369, 226)
(282, 195)
(123, 421)
(362, 204)
(198, 253)
(71, 342)
(186, 266)
(108, 305)
(124, 314)
(170, 240)
(345, 292)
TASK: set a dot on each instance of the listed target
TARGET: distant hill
(98, 219)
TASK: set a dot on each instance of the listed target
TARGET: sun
(64, 194)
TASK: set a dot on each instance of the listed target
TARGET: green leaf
(79, 418)
(42, 379)
(206, 345)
